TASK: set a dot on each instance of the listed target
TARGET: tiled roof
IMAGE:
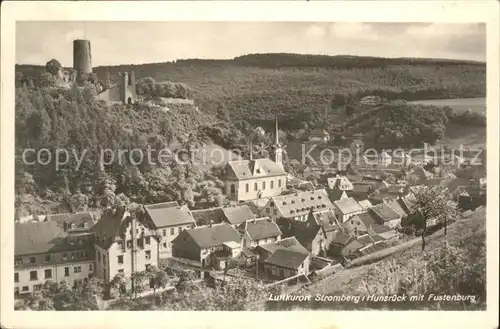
(341, 239)
(246, 169)
(286, 258)
(209, 236)
(82, 221)
(290, 243)
(162, 205)
(43, 237)
(108, 227)
(327, 220)
(300, 203)
(205, 216)
(365, 204)
(348, 205)
(379, 229)
(238, 214)
(262, 228)
(318, 132)
(168, 215)
(365, 240)
(366, 218)
(395, 205)
(385, 212)
(336, 194)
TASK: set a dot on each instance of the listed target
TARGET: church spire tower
(278, 150)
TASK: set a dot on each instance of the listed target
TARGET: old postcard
(218, 156)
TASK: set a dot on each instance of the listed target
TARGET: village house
(366, 223)
(319, 135)
(124, 244)
(297, 205)
(363, 245)
(386, 215)
(260, 231)
(341, 183)
(315, 234)
(370, 100)
(235, 216)
(169, 220)
(365, 204)
(283, 259)
(345, 208)
(399, 206)
(73, 223)
(43, 251)
(208, 246)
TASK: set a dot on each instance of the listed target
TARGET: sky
(115, 43)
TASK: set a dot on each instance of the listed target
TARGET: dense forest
(233, 97)
(258, 86)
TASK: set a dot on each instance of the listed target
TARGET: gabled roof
(246, 169)
(385, 212)
(326, 220)
(290, 243)
(82, 220)
(206, 216)
(108, 228)
(342, 239)
(238, 214)
(395, 204)
(287, 258)
(348, 205)
(168, 204)
(215, 235)
(43, 237)
(365, 204)
(338, 182)
(366, 218)
(167, 214)
(262, 228)
(300, 203)
(379, 229)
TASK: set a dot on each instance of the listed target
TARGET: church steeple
(278, 151)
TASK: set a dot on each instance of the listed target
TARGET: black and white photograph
(250, 166)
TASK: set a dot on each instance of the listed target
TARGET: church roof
(257, 168)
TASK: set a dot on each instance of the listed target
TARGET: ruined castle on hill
(124, 92)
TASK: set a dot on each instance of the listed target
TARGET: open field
(459, 104)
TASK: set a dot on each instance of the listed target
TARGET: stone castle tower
(82, 56)
(128, 91)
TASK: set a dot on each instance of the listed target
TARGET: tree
(434, 203)
(53, 66)
(157, 277)
(349, 110)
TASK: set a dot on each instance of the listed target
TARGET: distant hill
(257, 86)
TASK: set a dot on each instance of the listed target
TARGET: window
(255, 186)
(91, 268)
(66, 271)
(37, 287)
(172, 231)
(148, 254)
(247, 187)
(148, 240)
(77, 269)
(18, 261)
(233, 189)
(16, 277)
(26, 288)
(72, 255)
(47, 258)
(32, 260)
(275, 211)
(164, 232)
(48, 274)
(268, 210)
(85, 224)
(179, 230)
(279, 182)
(263, 185)
(33, 275)
(64, 256)
(120, 259)
(272, 184)
(103, 259)
(120, 244)
(129, 245)
(121, 271)
(164, 245)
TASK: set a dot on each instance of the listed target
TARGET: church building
(257, 178)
